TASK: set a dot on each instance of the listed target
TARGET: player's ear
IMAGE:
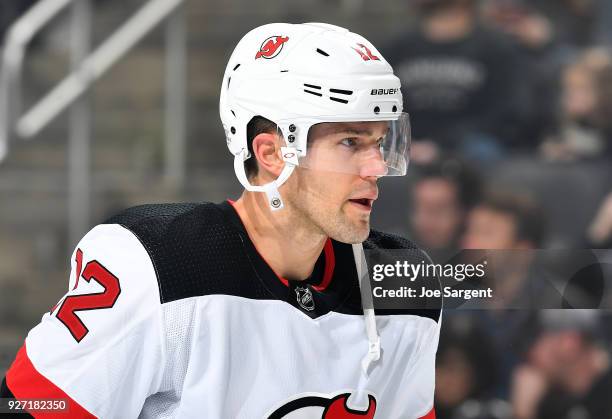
(267, 151)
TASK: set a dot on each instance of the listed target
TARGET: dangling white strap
(271, 189)
(367, 303)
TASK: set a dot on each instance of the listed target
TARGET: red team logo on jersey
(271, 47)
(328, 408)
(366, 53)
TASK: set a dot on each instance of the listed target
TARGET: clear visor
(362, 146)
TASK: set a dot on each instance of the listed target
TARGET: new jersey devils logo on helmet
(271, 47)
(328, 408)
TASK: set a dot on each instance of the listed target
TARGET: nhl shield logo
(304, 298)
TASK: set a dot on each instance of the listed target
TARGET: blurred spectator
(599, 236)
(567, 373)
(585, 128)
(441, 197)
(520, 19)
(575, 21)
(604, 30)
(461, 81)
(505, 221)
(465, 367)
(509, 227)
(535, 36)
(600, 230)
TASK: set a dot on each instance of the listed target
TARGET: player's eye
(349, 142)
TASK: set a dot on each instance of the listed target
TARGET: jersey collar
(332, 282)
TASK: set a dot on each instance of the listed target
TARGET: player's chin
(354, 231)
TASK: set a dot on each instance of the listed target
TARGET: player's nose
(373, 165)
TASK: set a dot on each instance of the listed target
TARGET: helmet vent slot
(313, 93)
(236, 67)
(320, 51)
(342, 92)
(337, 99)
(312, 86)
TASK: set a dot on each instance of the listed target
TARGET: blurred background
(106, 104)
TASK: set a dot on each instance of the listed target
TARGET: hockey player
(259, 308)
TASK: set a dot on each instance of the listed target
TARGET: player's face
(335, 187)
(489, 229)
(437, 215)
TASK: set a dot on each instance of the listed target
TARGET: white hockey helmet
(299, 75)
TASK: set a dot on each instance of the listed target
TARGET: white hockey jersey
(172, 313)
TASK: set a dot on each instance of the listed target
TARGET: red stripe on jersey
(79, 267)
(430, 415)
(25, 382)
(330, 264)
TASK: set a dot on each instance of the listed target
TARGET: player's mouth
(363, 204)
(364, 200)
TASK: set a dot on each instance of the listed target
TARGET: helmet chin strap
(374, 349)
(271, 189)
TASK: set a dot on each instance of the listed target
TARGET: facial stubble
(317, 207)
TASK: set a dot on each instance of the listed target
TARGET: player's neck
(289, 247)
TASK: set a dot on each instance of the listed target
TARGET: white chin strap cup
(271, 189)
